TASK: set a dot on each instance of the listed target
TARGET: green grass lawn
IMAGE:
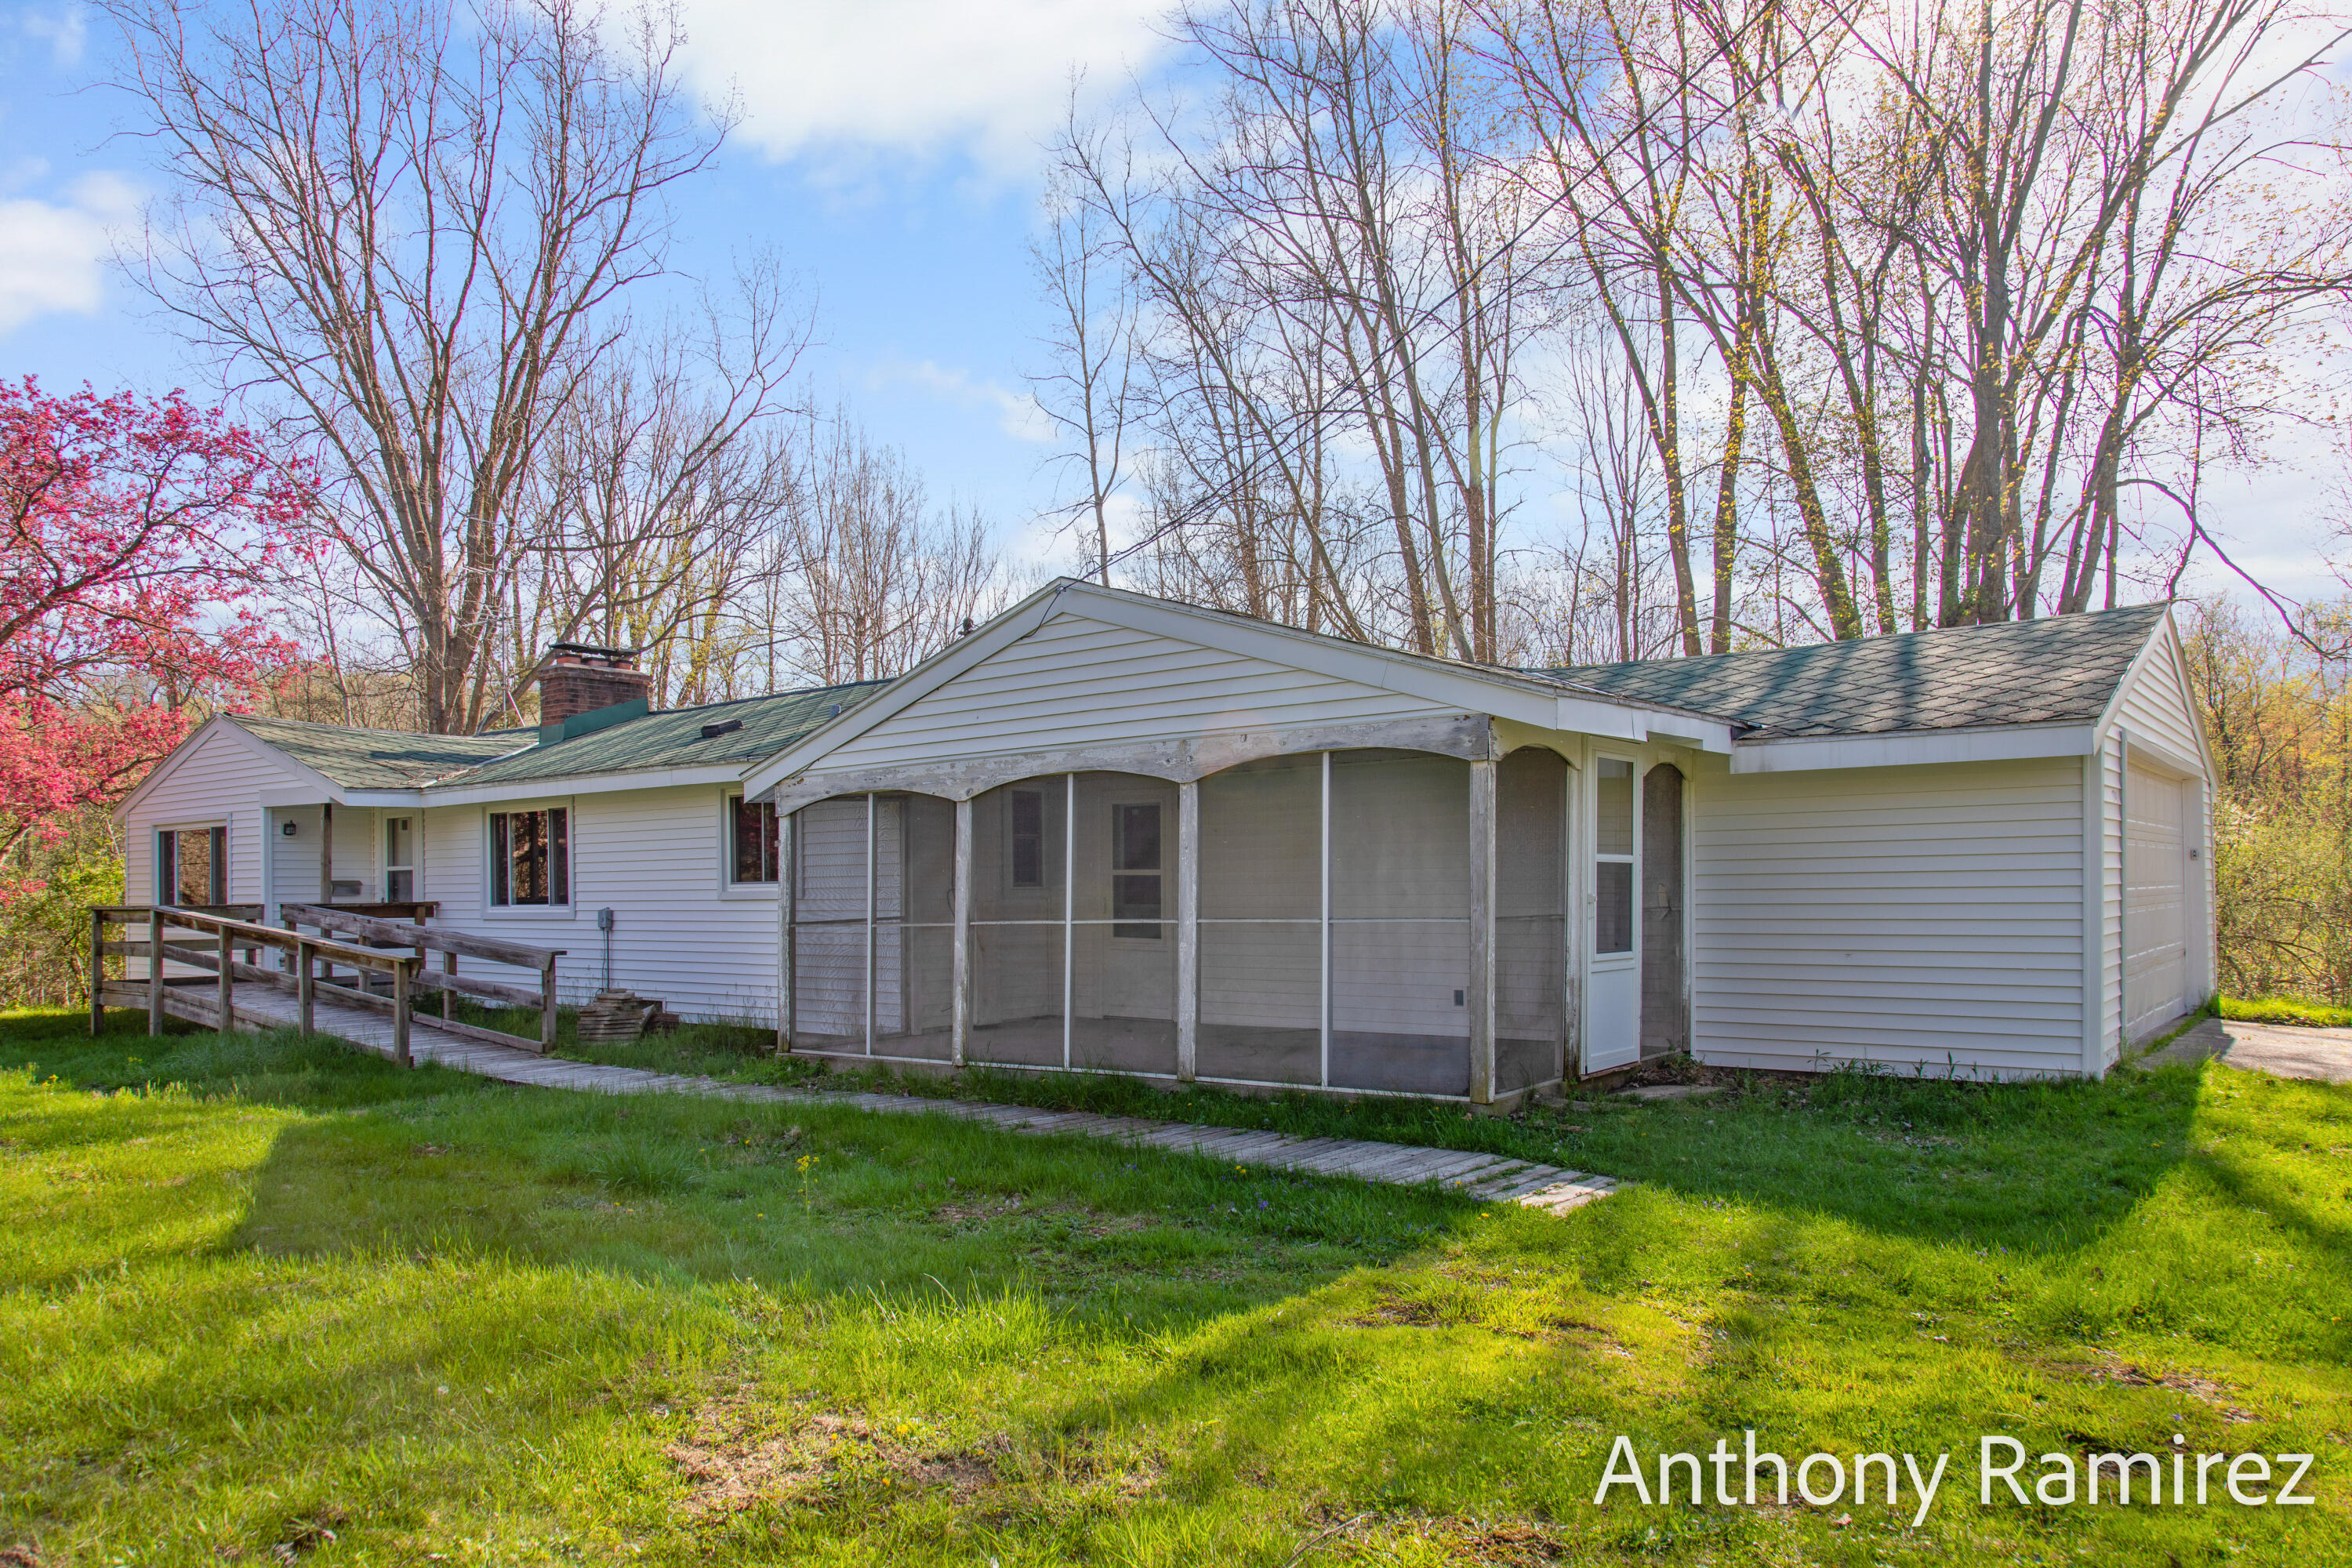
(2285, 1010)
(266, 1301)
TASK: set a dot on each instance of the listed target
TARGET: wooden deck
(1486, 1177)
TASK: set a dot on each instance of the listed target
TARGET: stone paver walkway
(2282, 1051)
(1488, 1176)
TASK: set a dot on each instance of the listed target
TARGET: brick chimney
(577, 678)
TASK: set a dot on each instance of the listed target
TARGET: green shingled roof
(2056, 669)
(402, 759)
(380, 759)
(673, 739)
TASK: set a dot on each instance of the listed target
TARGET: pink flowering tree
(136, 535)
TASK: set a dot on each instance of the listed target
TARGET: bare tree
(1089, 389)
(410, 229)
(875, 580)
(659, 492)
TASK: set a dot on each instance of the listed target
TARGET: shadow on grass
(2041, 1167)
(2028, 1167)
(813, 1202)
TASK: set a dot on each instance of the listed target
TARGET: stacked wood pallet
(618, 1016)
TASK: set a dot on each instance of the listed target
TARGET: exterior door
(2156, 899)
(1613, 1031)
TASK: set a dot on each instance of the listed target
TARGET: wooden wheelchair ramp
(263, 1007)
(257, 998)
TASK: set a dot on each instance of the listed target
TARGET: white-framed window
(1024, 837)
(399, 860)
(531, 857)
(1612, 856)
(192, 864)
(1136, 884)
(753, 842)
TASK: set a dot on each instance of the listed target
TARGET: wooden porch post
(155, 970)
(96, 970)
(1482, 932)
(546, 1007)
(449, 972)
(221, 984)
(306, 984)
(1188, 930)
(400, 1014)
(959, 1037)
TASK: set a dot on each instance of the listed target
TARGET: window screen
(1135, 883)
(531, 857)
(1025, 834)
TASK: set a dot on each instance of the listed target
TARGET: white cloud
(989, 78)
(1017, 413)
(65, 32)
(52, 254)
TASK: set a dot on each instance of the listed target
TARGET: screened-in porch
(1374, 921)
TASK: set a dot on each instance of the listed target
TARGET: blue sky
(889, 154)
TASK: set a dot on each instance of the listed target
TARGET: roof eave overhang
(1542, 702)
(607, 782)
(295, 795)
(1914, 748)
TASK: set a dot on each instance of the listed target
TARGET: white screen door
(1612, 1033)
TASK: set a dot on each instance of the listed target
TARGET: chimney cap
(617, 655)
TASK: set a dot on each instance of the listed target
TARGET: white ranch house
(1113, 832)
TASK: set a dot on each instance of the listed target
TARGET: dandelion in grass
(802, 1166)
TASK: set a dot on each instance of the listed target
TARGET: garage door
(2155, 901)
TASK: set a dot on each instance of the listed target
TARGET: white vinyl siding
(2111, 898)
(2155, 706)
(217, 780)
(294, 862)
(356, 836)
(649, 856)
(1919, 917)
(1081, 682)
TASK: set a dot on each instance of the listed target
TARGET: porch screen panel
(1399, 923)
(1019, 877)
(916, 924)
(1123, 930)
(1261, 923)
(829, 925)
(1530, 918)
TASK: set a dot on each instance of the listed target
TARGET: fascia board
(580, 784)
(2007, 742)
(295, 795)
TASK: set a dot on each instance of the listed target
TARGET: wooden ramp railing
(450, 945)
(220, 936)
